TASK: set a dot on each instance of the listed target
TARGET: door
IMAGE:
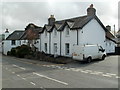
(55, 48)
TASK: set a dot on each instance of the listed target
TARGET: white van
(88, 52)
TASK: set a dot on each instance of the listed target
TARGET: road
(23, 73)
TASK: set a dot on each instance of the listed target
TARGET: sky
(16, 15)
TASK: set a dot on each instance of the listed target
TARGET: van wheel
(103, 57)
(89, 59)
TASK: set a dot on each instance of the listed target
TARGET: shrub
(23, 50)
(13, 52)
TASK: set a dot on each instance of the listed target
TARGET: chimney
(108, 28)
(91, 11)
(51, 20)
(6, 33)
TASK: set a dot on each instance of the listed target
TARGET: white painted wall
(92, 33)
(71, 39)
(7, 45)
(110, 46)
(55, 39)
(44, 39)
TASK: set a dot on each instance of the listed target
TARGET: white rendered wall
(110, 46)
(55, 39)
(71, 39)
(44, 39)
(92, 33)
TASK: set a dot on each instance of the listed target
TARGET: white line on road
(19, 67)
(13, 72)
(111, 74)
(24, 78)
(18, 75)
(50, 78)
(105, 75)
(117, 77)
(33, 83)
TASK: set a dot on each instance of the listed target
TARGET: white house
(12, 40)
(58, 37)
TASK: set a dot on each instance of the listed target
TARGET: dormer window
(67, 31)
(13, 42)
(45, 33)
(55, 32)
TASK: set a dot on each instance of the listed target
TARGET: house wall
(71, 39)
(55, 39)
(44, 39)
(7, 46)
(110, 46)
(92, 33)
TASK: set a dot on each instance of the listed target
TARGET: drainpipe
(60, 41)
(40, 42)
(50, 43)
(77, 37)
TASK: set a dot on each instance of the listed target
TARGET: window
(67, 31)
(55, 32)
(45, 33)
(55, 48)
(110, 43)
(67, 48)
(20, 42)
(45, 47)
(13, 42)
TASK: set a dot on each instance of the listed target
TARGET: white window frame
(13, 42)
(67, 31)
(55, 32)
(67, 48)
(55, 48)
(45, 47)
(45, 33)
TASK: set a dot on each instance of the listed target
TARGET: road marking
(117, 77)
(105, 75)
(50, 78)
(24, 78)
(6, 68)
(13, 72)
(88, 70)
(84, 71)
(19, 67)
(18, 75)
(33, 83)
(111, 74)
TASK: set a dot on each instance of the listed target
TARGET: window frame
(45, 47)
(67, 48)
(13, 42)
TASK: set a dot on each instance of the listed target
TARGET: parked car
(88, 52)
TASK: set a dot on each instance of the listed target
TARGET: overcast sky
(17, 15)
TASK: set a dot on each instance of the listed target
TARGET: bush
(8, 53)
(23, 50)
(20, 51)
(13, 52)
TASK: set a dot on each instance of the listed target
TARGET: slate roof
(15, 35)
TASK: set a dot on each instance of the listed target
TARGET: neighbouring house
(12, 40)
(118, 38)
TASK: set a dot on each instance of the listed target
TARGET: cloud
(16, 15)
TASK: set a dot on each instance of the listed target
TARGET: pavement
(25, 73)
